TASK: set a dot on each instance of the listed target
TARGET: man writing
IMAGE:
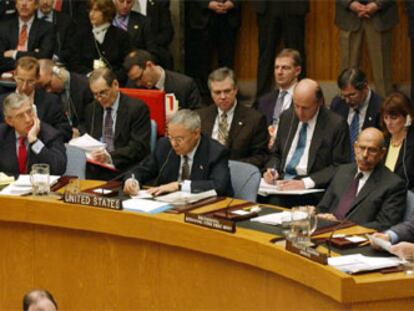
(185, 160)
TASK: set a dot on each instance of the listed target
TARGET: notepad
(145, 206)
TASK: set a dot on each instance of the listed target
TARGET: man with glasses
(25, 35)
(366, 192)
(121, 122)
(25, 140)
(143, 72)
(48, 106)
(185, 160)
(357, 104)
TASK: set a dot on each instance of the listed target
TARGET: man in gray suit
(365, 192)
(373, 20)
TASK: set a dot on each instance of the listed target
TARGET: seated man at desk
(365, 192)
(26, 141)
(185, 160)
(121, 122)
(311, 142)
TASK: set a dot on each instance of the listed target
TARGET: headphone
(56, 70)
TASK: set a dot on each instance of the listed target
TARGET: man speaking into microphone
(185, 160)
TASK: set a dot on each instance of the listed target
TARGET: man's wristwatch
(180, 186)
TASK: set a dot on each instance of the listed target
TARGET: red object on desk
(155, 101)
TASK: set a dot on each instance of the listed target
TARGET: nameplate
(212, 223)
(92, 200)
(307, 252)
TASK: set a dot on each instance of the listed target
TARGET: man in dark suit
(366, 193)
(185, 160)
(278, 21)
(48, 106)
(210, 26)
(72, 88)
(374, 21)
(119, 121)
(26, 141)
(138, 27)
(65, 50)
(358, 104)
(288, 66)
(25, 35)
(242, 130)
(311, 142)
(144, 73)
(410, 16)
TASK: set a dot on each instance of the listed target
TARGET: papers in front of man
(273, 219)
(5, 180)
(357, 263)
(23, 186)
(181, 197)
(146, 206)
(87, 143)
(266, 189)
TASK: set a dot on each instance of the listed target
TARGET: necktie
(22, 156)
(21, 45)
(278, 107)
(348, 198)
(122, 23)
(108, 133)
(58, 5)
(185, 169)
(223, 131)
(300, 148)
(354, 131)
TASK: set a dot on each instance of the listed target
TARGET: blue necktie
(300, 149)
(354, 131)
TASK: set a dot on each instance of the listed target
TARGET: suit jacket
(198, 14)
(384, 19)
(372, 117)
(280, 8)
(53, 152)
(405, 230)
(80, 97)
(248, 134)
(184, 88)
(329, 147)
(210, 169)
(159, 13)
(114, 48)
(410, 14)
(379, 204)
(49, 110)
(405, 161)
(41, 41)
(132, 130)
(266, 105)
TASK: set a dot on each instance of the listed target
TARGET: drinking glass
(40, 179)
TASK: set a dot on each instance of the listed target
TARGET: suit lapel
(317, 137)
(209, 120)
(291, 132)
(199, 164)
(32, 34)
(98, 115)
(11, 145)
(370, 115)
(236, 125)
(121, 114)
(15, 34)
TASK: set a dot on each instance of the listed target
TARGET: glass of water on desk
(304, 223)
(40, 179)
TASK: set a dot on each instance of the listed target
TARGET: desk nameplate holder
(209, 222)
(307, 252)
(92, 200)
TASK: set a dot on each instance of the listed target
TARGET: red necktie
(58, 5)
(21, 45)
(22, 156)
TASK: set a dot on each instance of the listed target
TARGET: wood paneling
(322, 47)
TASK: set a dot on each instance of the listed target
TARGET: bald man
(366, 192)
(311, 142)
(39, 300)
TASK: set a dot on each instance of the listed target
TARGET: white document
(385, 245)
(142, 194)
(171, 105)
(23, 186)
(181, 197)
(274, 218)
(359, 263)
(5, 180)
(145, 206)
(266, 189)
(87, 143)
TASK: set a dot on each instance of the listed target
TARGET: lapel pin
(136, 26)
(240, 123)
(369, 118)
(201, 167)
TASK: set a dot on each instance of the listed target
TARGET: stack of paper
(266, 189)
(5, 180)
(145, 206)
(87, 143)
(181, 197)
(360, 263)
(23, 186)
(273, 219)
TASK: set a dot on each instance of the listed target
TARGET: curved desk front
(92, 258)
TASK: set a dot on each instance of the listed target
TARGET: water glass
(40, 179)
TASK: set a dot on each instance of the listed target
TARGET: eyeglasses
(102, 94)
(350, 95)
(23, 81)
(179, 139)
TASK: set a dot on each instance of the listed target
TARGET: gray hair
(188, 118)
(221, 74)
(14, 101)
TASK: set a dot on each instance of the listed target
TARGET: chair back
(76, 163)
(245, 179)
(409, 211)
(153, 139)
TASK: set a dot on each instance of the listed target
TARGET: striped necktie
(108, 132)
(354, 131)
(223, 129)
(21, 45)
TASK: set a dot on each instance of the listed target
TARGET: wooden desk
(92, 258)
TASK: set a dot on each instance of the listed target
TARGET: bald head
(307, 98)
(369, 149)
